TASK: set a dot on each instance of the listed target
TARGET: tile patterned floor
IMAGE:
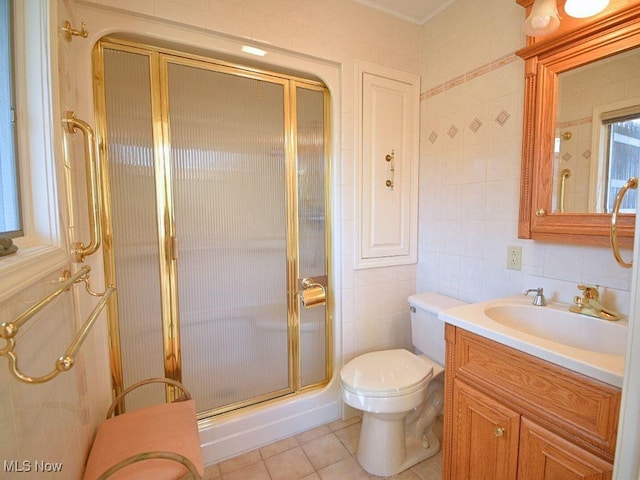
(324, 453)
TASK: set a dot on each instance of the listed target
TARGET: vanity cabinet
(510, 415)
(547, 456)
(486, 436)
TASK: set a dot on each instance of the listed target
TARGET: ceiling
(416, 11)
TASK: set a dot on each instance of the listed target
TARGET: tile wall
(49, 423)
(471, 133)
(46, 429)
(374, 314)
(471, 111)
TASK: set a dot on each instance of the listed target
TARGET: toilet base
(384, 449)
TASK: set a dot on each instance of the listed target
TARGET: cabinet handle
(389, 157)
(498, 432)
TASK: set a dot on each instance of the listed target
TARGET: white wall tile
(39, 422)
(491, 159)
(177, 11)
(469, 184)
(474, 163)
(472, 237)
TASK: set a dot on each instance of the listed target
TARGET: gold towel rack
(632, 183)
(93, 176)
(9, 330)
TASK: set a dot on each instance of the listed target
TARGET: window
(623, 158)
(10, 217)
(37, 142)
(615, 154)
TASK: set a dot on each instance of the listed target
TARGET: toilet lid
(386, 373)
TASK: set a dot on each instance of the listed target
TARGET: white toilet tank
(427, 331)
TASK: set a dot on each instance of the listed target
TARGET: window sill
(27, 266)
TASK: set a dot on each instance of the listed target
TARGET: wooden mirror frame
(577, 42)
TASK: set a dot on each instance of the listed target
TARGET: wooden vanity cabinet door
(485, 437)
(546, 456)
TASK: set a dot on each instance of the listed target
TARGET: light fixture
(584, 8)
(544, 18)
(253, 50)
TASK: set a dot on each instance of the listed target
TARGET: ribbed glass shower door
(230, 199)
(237, 159)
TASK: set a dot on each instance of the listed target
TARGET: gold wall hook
(69, 32)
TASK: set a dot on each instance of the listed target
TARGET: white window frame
(41, 250)
(599, 145)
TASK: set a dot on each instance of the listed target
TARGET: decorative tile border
(573, 123)
(501, 118)
(453, 83)
(470, 75)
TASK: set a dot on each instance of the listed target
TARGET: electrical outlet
(514, 257)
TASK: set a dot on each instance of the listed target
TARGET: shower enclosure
(215, 194)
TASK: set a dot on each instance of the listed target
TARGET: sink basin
(583, 344)
(561, 326)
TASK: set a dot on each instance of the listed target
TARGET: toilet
(400, 393)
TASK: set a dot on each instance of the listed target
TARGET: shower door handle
(313, 293)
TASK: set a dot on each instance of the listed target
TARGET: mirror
(582, 102)
(597, 135)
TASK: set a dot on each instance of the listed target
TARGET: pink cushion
(166, 427)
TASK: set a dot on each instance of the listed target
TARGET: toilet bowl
(400, 393)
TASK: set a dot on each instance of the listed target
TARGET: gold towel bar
(632, 183)
(566, 173)
(93, 177)
(8, 330)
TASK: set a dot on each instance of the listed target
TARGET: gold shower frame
(159, 57)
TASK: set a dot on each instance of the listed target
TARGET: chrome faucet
(589, 304)
(539, 299)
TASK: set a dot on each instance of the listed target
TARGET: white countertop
(605, 367)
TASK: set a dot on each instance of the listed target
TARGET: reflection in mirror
(597, 138)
